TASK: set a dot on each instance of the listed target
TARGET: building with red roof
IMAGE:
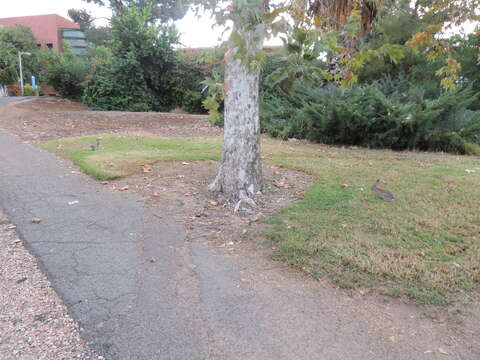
(51, 30)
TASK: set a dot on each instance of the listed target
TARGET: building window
(76, 39)
(50, 46)
(39, 45)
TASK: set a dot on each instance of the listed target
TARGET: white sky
(195, 32)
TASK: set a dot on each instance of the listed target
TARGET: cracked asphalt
(191, 303)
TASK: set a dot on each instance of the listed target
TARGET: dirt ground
(52, 118)
(178, 190)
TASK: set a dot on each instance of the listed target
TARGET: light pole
(21, 68)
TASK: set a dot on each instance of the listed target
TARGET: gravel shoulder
(34, 322)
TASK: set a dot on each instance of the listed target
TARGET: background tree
(13, 40)
(136, 74)
(336, 13)
(160, 10)
(82, 17)
(97, 35)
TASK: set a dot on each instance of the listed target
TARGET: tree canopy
(82, 17)
(13, 40)
(136, 73)
(160, 10)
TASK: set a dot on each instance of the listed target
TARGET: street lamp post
(21, 68)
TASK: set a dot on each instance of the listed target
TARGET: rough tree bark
(239, 175)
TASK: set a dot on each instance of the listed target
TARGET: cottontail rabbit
(96, 146)
(383, 194)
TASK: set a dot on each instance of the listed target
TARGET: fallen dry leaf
(282, 185)
(152, 260)
(36, 220)
(443, 352)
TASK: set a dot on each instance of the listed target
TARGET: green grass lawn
(425, 245)
(122, 155)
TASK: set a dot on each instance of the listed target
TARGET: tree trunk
(239, 176)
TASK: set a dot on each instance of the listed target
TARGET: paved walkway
(190, 304)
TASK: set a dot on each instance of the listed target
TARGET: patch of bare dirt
(48, 118)
(179, 189)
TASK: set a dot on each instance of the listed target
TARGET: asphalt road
(7, 100)
(140, 291)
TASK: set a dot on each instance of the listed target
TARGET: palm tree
(338, 12)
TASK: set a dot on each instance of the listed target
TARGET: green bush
(139, 72)
(471, 131)
(186, 84)
(114, 86)
(28, 90)
(366, 116)
(65, 72)
(191, 102)
(193, 68)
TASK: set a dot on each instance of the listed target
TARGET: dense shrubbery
(28, 90)
(381, 115)
(66, 72)
(395, 105)
(138, 75)
(189, 77)
(141, 71)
